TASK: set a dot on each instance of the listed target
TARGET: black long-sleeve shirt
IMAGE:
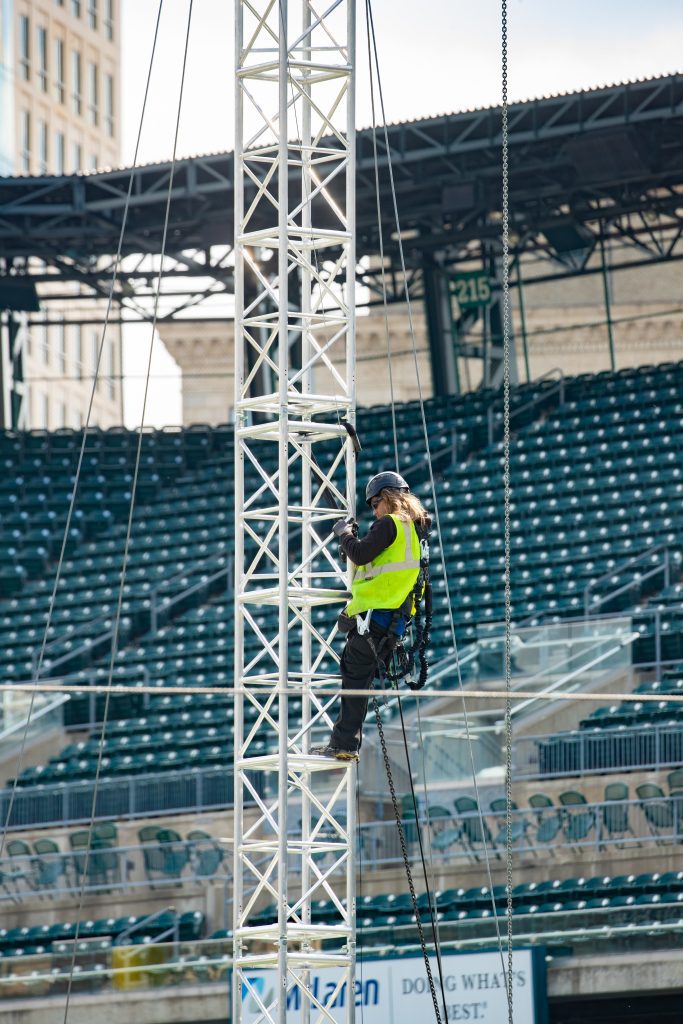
(381, 534)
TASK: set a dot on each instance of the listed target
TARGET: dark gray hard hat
(382, 480)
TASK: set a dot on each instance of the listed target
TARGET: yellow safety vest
(390, 577)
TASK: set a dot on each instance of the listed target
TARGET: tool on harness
(410, 661)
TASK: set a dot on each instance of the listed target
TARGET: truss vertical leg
(294, 211)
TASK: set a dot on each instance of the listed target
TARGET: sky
(436, 56)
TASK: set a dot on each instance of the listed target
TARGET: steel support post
(439, 330)
(608, 304)
(294, 821)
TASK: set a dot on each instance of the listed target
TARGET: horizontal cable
(672, 698)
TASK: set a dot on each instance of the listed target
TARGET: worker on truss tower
(391, 567)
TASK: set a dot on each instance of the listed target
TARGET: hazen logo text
(367, 993)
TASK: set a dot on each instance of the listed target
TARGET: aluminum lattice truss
(294, 329)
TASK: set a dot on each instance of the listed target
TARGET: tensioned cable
(74, 493)
(129, 528)
(506, 499)
(385, 305)
(626, 698)
(429, 882)
(411, 326)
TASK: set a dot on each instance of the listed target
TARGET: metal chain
(406, 861)
(506, 498)
(432, 484)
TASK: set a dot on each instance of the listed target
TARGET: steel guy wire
(426, 694)
(406, 861)
(506, 500)
(411, 325)
(129, 528)
(385, 307)
(72, 500)
(429, 883)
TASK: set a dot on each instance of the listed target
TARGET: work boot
(338, 753)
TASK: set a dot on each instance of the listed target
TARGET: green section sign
(472, 288)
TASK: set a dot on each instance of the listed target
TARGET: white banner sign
(397, 990)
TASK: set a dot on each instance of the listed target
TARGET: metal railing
(169, 935)
(59, 641)
(584, 751)
(558, 389)
(590, 828)
(208, 962)
(121, 797)
(47, 714)
(662, 567)
(158, 604)
(654, 613)
(135, 869)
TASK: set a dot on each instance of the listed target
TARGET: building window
(95, 351)
(76, 8)
(24, 47)
(77, 420)
(43, 162)
(42, 410)
(25, 136)
(93, 94)
(109, 19)
(59, 70)
(60, 153)
(60, 416)
(76, 82)
(109, 104)
(111, 368)
(94, 161)
(76, 156)
(60, 348)
(78, 351)
(92, 14)
(41, 50)
(45, 345)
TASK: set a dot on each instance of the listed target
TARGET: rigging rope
(425, 431)
(506, 500)
(79, 466)
(428, 877)
(129, 528)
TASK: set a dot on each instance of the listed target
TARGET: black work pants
(358, 669)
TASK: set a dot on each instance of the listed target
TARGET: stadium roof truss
(589, 172)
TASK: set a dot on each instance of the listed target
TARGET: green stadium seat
(577, 824)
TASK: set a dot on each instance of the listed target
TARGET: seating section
(95, 859)
(587, 904)
(594, 483)
(111, 931)
(629, 735)
(596, 479)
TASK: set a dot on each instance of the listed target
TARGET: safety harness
(409, 663)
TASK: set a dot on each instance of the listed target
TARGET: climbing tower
(294, 388)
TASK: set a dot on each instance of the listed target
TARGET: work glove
(345, 526)
(345, 623)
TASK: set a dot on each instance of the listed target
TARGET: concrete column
(204, 353)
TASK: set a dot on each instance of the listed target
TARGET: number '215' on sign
(471, 289)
